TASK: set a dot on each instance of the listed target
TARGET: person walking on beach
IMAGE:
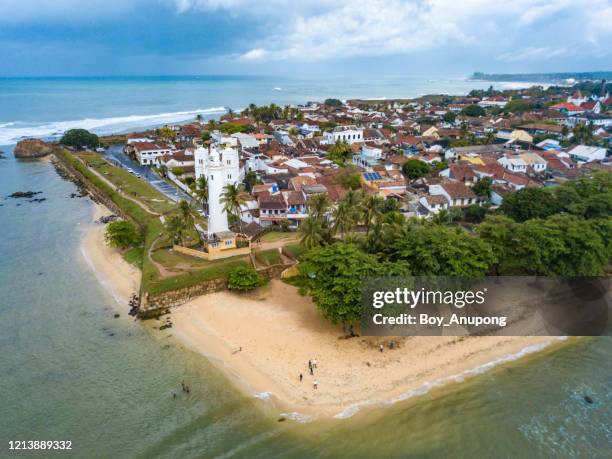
(382, 348)
(315, 384)
(310, 368)
(314, 363)
(301, 377)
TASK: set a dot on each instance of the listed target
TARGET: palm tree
(176, 228)
(201, 192)
(186, 214)
(344, 221)
(232, 199)
(199, 117)
(313, 233)
(372, 211)
(318, 205)
(163, 170)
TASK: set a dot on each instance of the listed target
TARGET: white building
(585, 153)
(513, 163)
(229, 157)
(368, 157)
(348, 134)
(536, 162)
(494, 101)
(216, 177)
(147, 153)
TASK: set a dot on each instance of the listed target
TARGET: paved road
(115, 155)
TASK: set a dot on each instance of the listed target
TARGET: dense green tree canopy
(333, 275)
(122, 234)
(333, 102)
(483, 187)
(340, 153)
(438, 250)
(530, 203)
(473, 110)
(415, 168)
(80, 138)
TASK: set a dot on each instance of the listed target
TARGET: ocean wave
(263, 395)
(13, 131)
(427, 386)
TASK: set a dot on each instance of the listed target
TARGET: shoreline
(263, 341)
(119, 278)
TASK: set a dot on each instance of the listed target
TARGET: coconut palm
(232, 200)
(318, 205)
(176, 228)
(372, 211)
(163, 170)
(313, 233)
(199, 117)
(201, 192)
(344, 219)
(186, 214)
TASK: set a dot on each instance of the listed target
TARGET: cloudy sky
(307, 37)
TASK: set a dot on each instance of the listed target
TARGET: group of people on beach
(312, 366)
(184, 388)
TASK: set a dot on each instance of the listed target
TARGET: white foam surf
(12, 132)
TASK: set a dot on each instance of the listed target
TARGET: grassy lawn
(213, 270)
(134, 256)
(171, 260)
(130, 184)
(295, 250)
(273, 236)
(268, 257)
(194, 270)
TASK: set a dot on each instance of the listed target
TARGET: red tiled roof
(567, 106)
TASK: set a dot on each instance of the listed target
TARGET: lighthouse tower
(215, 176)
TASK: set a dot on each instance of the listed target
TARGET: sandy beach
(263, 342)
(119, 278)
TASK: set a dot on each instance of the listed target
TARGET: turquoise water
(45, 107)
(63, 376)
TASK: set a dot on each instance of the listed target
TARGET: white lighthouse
(215, 177)
(221, 168)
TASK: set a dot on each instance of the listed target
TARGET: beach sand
(119, 278)
(263, 342)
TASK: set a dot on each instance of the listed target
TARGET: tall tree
(201, 192)
(318, 205)
(372, 211)
(333, 275)
(232, 200)
(176, 228)
(313, 234)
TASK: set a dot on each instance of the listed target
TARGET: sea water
(71, 371)
(45, 107)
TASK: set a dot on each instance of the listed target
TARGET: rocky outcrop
(32, 148)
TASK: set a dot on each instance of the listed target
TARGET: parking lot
(116, 156)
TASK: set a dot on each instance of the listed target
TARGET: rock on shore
(32, 148)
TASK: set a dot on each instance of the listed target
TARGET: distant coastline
(561, 77)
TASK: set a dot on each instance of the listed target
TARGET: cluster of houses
(288, 160)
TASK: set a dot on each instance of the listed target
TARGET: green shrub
(122, 234)
(243, 279)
